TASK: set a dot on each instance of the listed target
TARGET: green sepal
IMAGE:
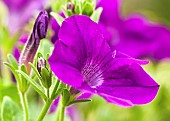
(87, 9)
(39, 55)
(46, 77)
(65, 97)
(96, 14)
(10, 111)
(24, 83)
(58, 18)
(35, 70)
(58, 92)
(37, 87)
(13, 61)
(77, 9)
(69, 13)
(79, 101)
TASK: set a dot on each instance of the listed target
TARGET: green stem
(48, 93)
(24, 105)
(48, 102)
(62, 112)
(44, 110)
(58, 110)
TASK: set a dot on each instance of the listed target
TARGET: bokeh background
(97, 110)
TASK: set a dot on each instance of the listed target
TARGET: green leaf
(14, 72)
(24, 83)
(79, 101)
(65, 97)
(37, 87)
(96, 14)
(58, 18)
(10, 110)
(13, 61)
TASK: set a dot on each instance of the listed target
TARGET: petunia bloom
(135, 35)
(20, 11)
(83, 59)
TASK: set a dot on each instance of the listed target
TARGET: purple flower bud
(39, 32)
(41, 63)
(70, 6)
(41, 25)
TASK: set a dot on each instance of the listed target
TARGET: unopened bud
(70, 6)
(44, 72)
(41, 25)
(39, 32)
(41, 63)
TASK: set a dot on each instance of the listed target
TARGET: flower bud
(39, 32)
(41, 25)
(41, 63)
(70, 6)
(44, 72)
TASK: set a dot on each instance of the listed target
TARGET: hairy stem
(44, 110)
(24, 105)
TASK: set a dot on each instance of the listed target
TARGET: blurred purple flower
(135, 35)
(16, 51)
(83, 59)
(55, 28)
(20, 11)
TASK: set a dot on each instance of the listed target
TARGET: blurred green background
(99, 109)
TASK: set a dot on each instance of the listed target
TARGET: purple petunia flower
(20, 11)
(135, 36)
(83, 59)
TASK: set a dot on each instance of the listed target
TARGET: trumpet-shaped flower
(83, 59)
(135, 35)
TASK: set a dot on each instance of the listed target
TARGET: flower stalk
(24, 105)
(44, 110)
(48, 102)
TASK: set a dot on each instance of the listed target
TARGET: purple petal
(129, 83)
(63, 63)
